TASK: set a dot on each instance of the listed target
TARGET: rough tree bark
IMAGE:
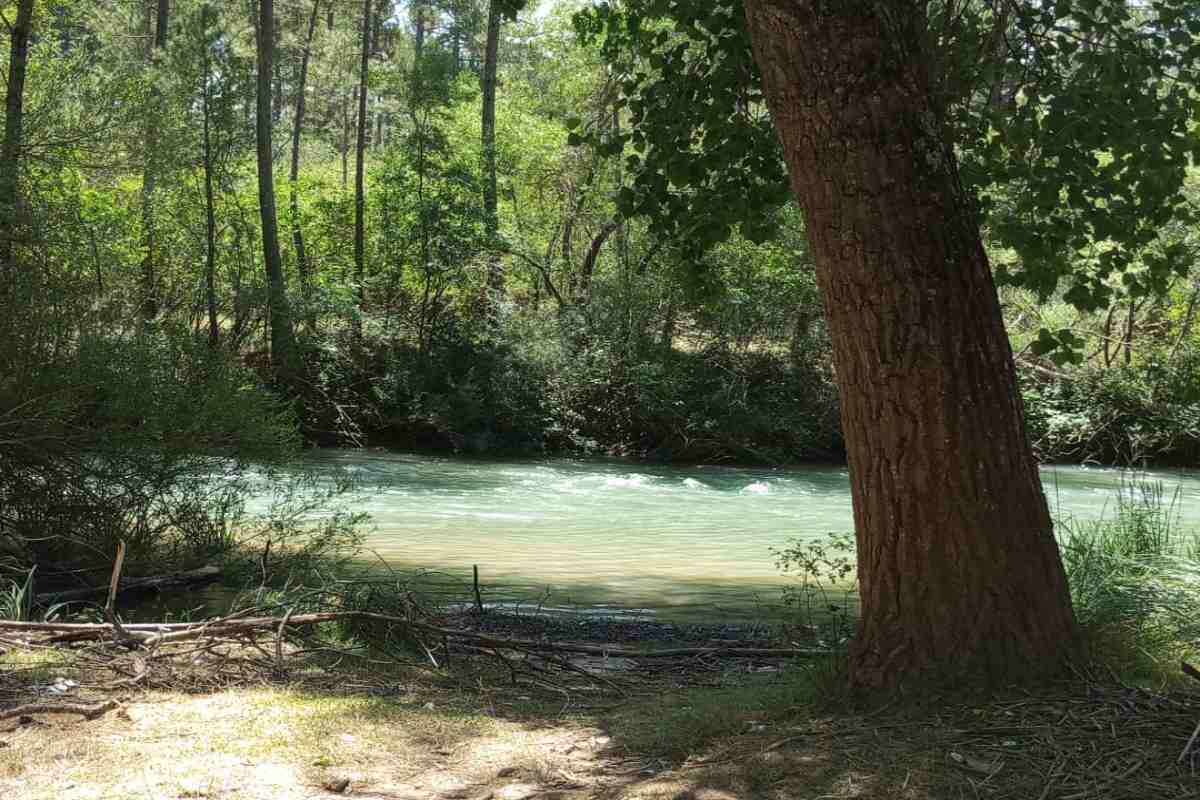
(150, 165)
(10, 151)
(960, 578)
(210, 211)
(294, 170)
(495, 269)
(360, 205)
(283, 347)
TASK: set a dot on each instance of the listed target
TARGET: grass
(676, 725)
(1135, 584)
(16, 599)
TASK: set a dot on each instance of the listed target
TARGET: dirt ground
(289, 743)
(695, 729)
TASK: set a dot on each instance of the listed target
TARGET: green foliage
(711, 406)
(1133, 582)
(1073, 121)
(16, 599)
(1117, 415)
(1089, 155)
(703, 151)
(824, 599)
(138, 439)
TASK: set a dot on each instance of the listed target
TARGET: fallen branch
(170, 580)
(163, 634)
(87, 712)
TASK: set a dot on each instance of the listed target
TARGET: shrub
(145, 438)
(1119, 415)
(824, 600)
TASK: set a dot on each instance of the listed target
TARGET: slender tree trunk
(294, 171)
(377, 18)
(345, 142)
(588, 268)
(1108, 324)
(418, 13)
(283, 348)
(14, 115)
(277, 95)
(1127, 338)
(622, 232)
(150, 166)
(210, 213)
(960, 576)
(1185, 330)
(360, 204)
(495, 269)
(999, 48)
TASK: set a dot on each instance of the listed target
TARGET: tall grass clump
(1135, 582)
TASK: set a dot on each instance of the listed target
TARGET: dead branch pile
(243, 647)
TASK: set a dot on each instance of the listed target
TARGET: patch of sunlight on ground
(257, 743)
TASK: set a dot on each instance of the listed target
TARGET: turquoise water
(619, 534)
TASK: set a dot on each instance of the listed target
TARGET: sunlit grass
(265, 742)
(1135, 585)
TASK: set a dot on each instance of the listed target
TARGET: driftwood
(170, 580)
(87, 712)
(152, 635)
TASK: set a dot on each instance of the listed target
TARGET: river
(674, 541)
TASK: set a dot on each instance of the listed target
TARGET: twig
(1188, 747)
(112, 584)
(279, 635)
(478, 596)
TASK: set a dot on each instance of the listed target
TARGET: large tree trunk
(294, 172)
(149, 289)
(360, 200)
(10, 151)
(495, 270)
(960, 578)
(210, 211)
(283, 348)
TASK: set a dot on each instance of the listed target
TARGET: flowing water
(681, 541)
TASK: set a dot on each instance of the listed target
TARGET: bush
(144, 438)
(711, 406)
(1120, 415)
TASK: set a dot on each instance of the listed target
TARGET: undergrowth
(1134, 576)
(1135, 583)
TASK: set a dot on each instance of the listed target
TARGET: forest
(932, 245)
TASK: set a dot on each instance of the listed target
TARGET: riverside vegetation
(569, 231)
